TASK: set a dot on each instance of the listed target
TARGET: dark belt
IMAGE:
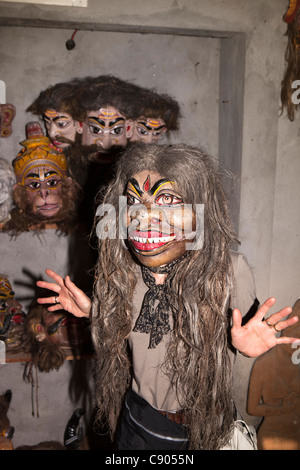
(177, 417)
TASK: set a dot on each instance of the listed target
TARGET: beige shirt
(149, 381)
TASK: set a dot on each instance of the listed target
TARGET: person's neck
(159, 278)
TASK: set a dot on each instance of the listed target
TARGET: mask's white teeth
(154, 240)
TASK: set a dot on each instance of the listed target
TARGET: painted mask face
(12, 317)
(43, 188)
(148, 130)
(158, 222)
(61, 329)
(61, 128)
(106, 128)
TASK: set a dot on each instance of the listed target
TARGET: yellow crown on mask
(5, 287)
(38, 152)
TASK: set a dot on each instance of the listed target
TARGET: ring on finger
(272, 326)
(56, 300)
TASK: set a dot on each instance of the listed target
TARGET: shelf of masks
(19, 355)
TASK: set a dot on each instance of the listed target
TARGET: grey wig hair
(7, 182)
(197, 361)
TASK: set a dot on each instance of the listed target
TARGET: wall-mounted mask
(12, 317)
(61, 128)
(45, 195)
(54, 336)
(107, 130)
(7, 114)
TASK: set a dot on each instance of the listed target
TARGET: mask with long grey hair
(200, 291)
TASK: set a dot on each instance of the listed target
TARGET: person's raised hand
(67, 295)
(258, 335)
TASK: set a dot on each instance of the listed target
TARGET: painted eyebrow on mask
(153, 190)
(136, 186)
(149, 127)
(102, 122)
(57, 118)
(36, 175)
(158, 184)
(32, 175)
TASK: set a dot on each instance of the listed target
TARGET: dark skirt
(144, 428)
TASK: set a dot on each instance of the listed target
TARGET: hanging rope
(29, 378)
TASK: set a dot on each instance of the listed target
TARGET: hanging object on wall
(6, 430)
(70, 44)
(12, 317)
(7, 114)
(45, 196)
(51, 337)
(292, 11)
(158, 114)
(290, 94)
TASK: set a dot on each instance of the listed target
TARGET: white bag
(243, 437)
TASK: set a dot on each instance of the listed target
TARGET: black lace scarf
(155, 311)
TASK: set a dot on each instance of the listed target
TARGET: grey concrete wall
(269, 223)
